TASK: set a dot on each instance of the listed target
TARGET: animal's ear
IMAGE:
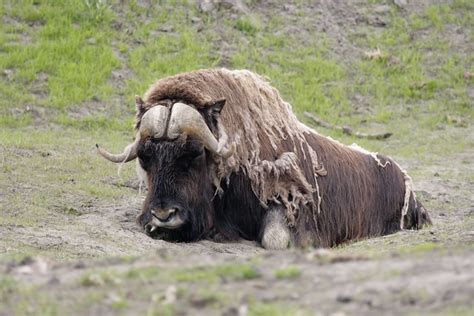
(214, 108)
(140, 104)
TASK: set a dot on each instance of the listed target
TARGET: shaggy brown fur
(331, 192)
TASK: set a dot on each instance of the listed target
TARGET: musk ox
(224, 157)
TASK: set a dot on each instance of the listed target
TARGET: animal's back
(331, 192)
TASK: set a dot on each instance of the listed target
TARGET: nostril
(149, 228)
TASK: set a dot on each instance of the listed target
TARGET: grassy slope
(70, 69)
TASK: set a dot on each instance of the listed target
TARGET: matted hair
(331, 192)
(271, 147)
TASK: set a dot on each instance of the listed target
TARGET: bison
(224, 158)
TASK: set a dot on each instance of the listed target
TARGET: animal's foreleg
(275, 233)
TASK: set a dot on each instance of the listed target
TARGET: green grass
(176, 54)
(100, 279)
(98, 122)
(27, 299)
(307, 67)
(212, 297)
(421, 248)
(18, 121)
(224, 272)
(452, 310)
(167, 310)
(58, 176)
(7, 286)
(288, 273)
(248, 25)
(70, 45)
(135, 289)
(210, 274)
(275, 309)
(59, 57)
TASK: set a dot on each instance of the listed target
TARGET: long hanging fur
(331, 192)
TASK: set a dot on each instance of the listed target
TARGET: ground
(69, 71)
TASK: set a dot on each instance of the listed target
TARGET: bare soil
(411, 272)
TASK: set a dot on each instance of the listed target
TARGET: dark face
(178, 206)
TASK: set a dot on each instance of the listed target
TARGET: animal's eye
(145, 152)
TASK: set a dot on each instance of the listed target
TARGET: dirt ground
(99, 262)
(411, 272)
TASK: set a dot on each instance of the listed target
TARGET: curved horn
(153, 122)
(128, 154)
(185, 119)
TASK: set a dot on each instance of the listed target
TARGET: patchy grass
(462, 310)
(226, 272)
(167, 310)
(213, 298)
(308, 67)
(274, 309)
(59, 56)
(7, 286)
(68, 74)
(100, 279)
(207, 274)
(288, 272)
(248, 25)
(69, 44)
(140, 289)
(419, 249)
(27, 300)
(177, 54)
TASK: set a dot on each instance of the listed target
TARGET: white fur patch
(409, 189)
(408, 181)
(276, 235)
(372, 154)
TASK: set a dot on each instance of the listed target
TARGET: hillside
(69, 71)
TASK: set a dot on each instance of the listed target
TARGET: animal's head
(176, 146)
